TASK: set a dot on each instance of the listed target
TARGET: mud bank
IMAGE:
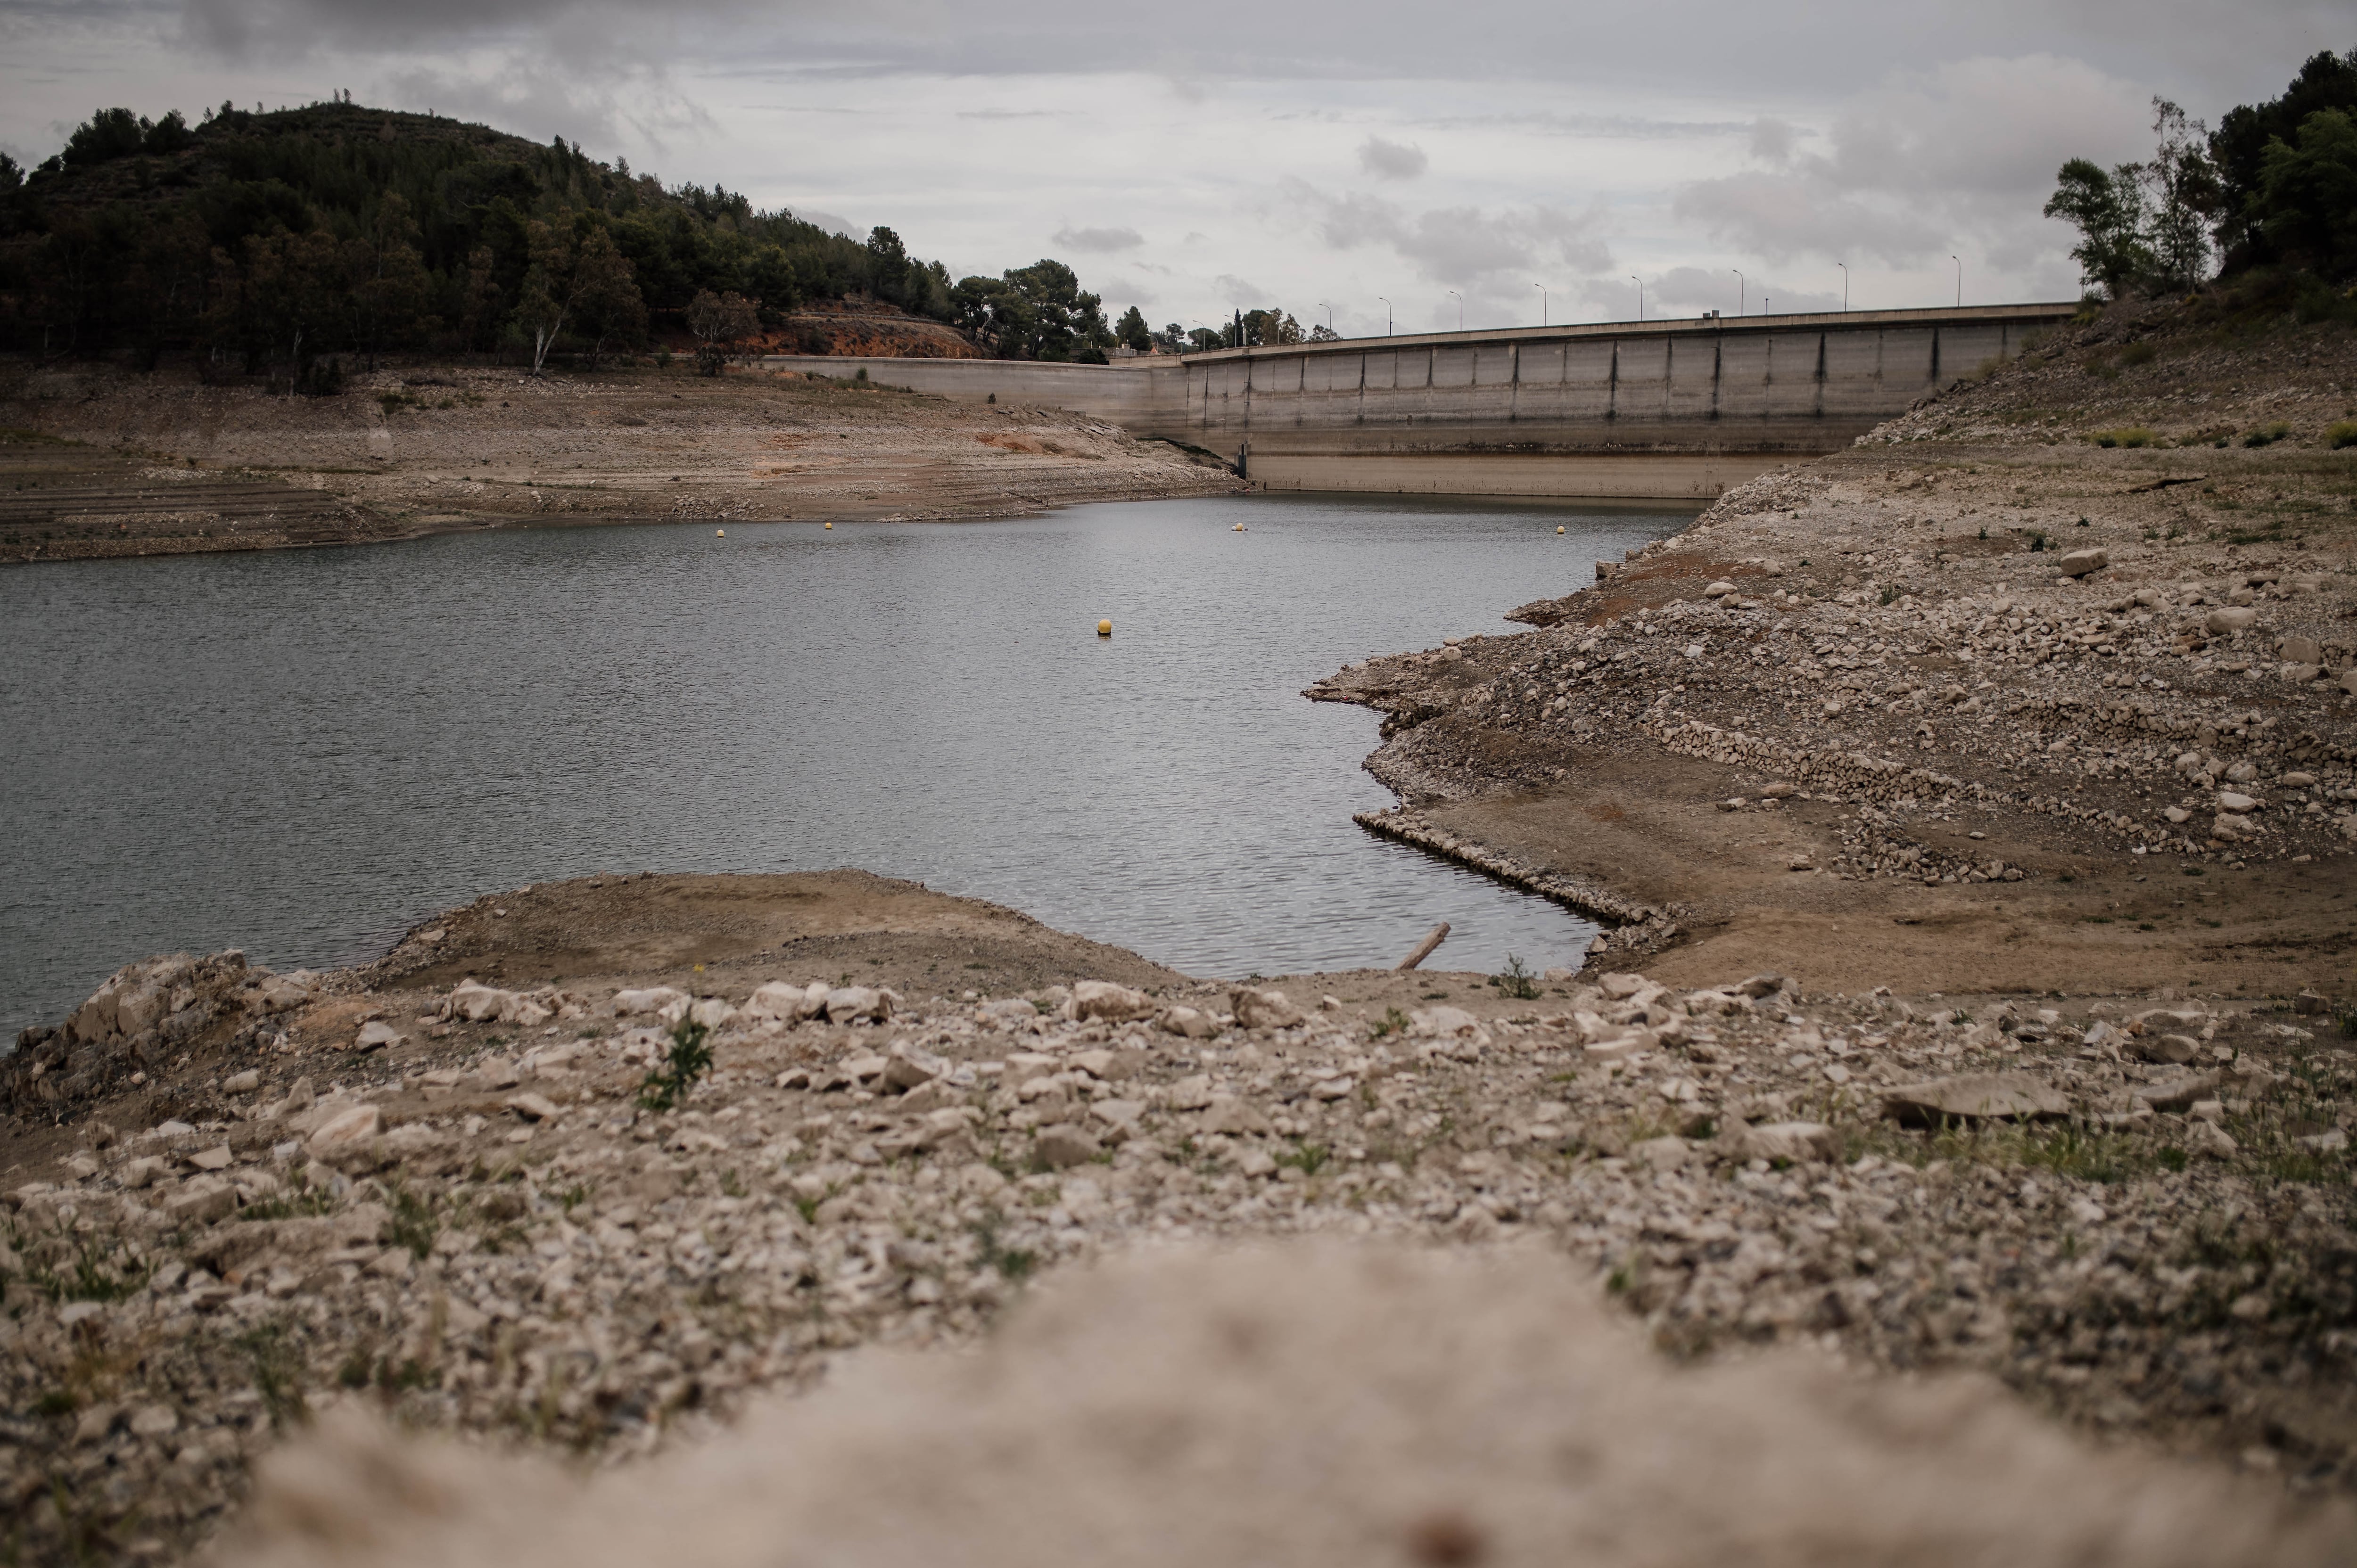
(101, 463)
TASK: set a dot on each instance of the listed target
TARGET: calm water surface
(302, 753)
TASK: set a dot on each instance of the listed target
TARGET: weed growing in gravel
(2267, 435)
(1516, 981)
(298, 1202)
(64, 1265)
(1307, 1158)
(690, 1058)
(1394, 1022)
(1013, 1263)
(414, 1223)
(2134, 435)
(278, 1373)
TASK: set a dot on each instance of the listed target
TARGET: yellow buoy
(830, 528)
(719, 534)
(1558, 528)
(1240, 527)
(1104, 628)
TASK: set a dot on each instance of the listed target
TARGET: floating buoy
(719, 534)
(830, 528)
(1104, 628)
(1558, 528)
(1240, 527)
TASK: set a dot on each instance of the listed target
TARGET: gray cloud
(1095, 240)
(1392, 160)
(1459, 245)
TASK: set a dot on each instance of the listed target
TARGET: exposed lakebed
(300, 753)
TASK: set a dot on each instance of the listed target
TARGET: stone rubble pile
(485, 1233)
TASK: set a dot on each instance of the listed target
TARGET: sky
(1361, 165)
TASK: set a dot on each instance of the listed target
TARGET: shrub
(2139, 354)
(2342, 435)
(690, 1058)
(2267, 435)
(2133, 436)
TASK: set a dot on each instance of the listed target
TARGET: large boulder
(1101, 999)
(1975, 1097)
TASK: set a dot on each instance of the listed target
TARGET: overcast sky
(1192, 159)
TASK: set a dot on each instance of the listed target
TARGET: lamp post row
(1742, 298)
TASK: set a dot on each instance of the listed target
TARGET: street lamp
(1387, 316)
(1845, 267)
(1330, 316)
(1641, 294)
(1960, 282)
(1742, 283)
(1543, 302)
(1461, 307)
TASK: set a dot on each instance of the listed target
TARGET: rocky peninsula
(1967, 1083)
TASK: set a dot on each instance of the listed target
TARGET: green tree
(2238, 148)
(2184, 195)
(1039, 312)
(607, 294)
(545, 300)
(2108, 211)
(2307, 199)
(1132, 330)
(720, 322)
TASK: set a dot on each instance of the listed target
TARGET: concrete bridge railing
(1662, 409)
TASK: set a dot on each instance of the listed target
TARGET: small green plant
(2139, 354)
(1307, 1158)
(1394, 1022)
(2133, 436)
(1984, 532)
(1516, 981)
(1013, 1263)
(278, 1373)
(1434, 996)
(300, 1202)
(1890, 592)
(2267, 435)
(1960, 1016)
(731, 1183)
(689, 1060)
(2037, 539)
(2340, 435)
(414, 1223)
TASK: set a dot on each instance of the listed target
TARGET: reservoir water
(301, 753)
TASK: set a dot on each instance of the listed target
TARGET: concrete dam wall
(1672, 410)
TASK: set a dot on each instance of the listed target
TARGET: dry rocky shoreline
(101, 464)
(1977, 1005)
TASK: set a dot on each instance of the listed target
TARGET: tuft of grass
(690, 1058)
(298, 1202)
(1516, 981)
(2128, 435)
(2343, 434)
(1394, 1022)
(1015, 1263)
(414, 1223)
(2267, 435)
(2037, 539)
(1307, 1158)
(66, 1265)
(1890, 592)
(278, 1373)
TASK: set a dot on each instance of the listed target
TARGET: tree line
(268, 241)
(2274, 187)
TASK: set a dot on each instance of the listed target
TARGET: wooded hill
(268, 241)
